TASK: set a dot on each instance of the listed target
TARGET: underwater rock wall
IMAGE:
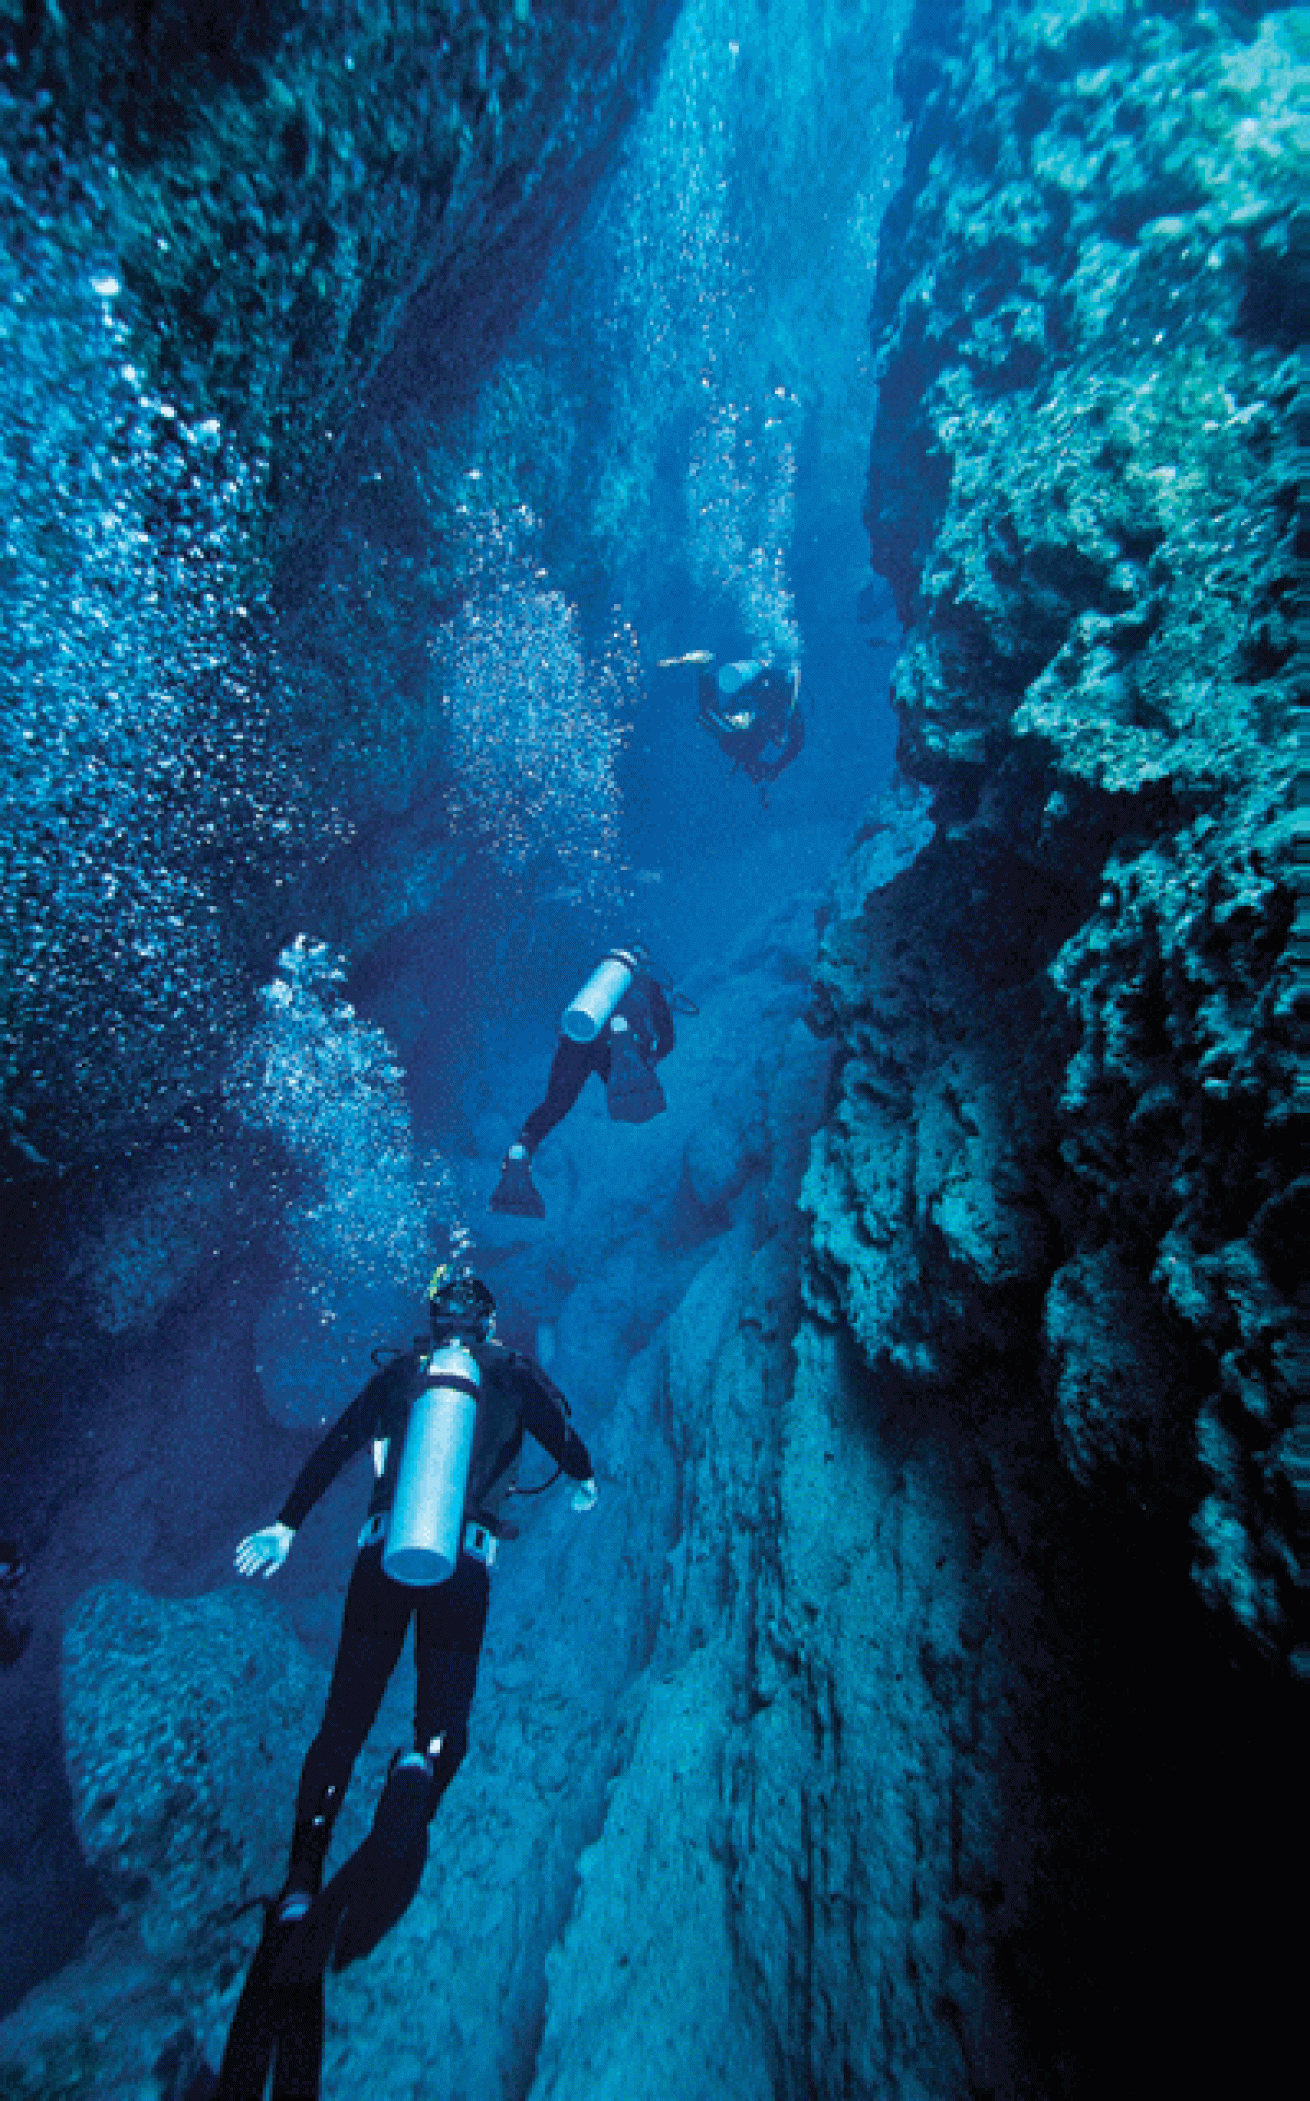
(311, 204)
(1067, 1107)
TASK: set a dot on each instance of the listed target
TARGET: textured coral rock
(304, 197)
(1083, 489)
(930, 1188)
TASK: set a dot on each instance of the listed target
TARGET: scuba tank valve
(586, 1014)
(427, 1511)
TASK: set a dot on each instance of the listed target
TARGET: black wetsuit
(650, 1022)
(515, 1398)
(774, 722)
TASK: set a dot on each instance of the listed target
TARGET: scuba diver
(751, 709)
(15, 1629)
(620, 1025)
(446, 1419)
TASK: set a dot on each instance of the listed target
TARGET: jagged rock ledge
(1068, 1110)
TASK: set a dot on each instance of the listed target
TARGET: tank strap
(454, 1381)
(481, 1542)
(477, 1538)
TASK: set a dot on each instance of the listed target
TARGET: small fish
(647, 875)
(563, 896)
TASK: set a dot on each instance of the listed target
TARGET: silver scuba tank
(427, 1512)
(733, 677)
(587, 1013)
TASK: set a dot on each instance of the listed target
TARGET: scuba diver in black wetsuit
(15, 1628)
(447, 1424)
(751, 709)
(620, 1026)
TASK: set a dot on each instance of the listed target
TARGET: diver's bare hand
(263, 1553)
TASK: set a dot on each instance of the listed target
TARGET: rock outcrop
(239, 247)
(1071, 1032)
(311, 205)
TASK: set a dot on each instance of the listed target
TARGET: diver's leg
(448, 1637)
(373, 1629)
(278, 2024)
(516, 1192)
(376, 1886)
(570, 1069)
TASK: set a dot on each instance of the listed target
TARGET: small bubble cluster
(535, 727)
(362, 1212)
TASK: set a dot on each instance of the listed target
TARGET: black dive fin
(371, 1890)
(274, 2030)
(516, 1191)
(633, 1092)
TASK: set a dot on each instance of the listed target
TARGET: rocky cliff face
(319, 212)
(1068, 1108)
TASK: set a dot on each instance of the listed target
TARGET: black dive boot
(516, 1191)
(276, 2029)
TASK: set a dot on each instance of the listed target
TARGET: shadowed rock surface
(1083, 489)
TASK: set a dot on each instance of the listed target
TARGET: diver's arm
(700, 662)
(348, 1435)
(262, 1553)
(662, 1016)
(543, 1415)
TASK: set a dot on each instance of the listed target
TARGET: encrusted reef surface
(1068, 1122)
